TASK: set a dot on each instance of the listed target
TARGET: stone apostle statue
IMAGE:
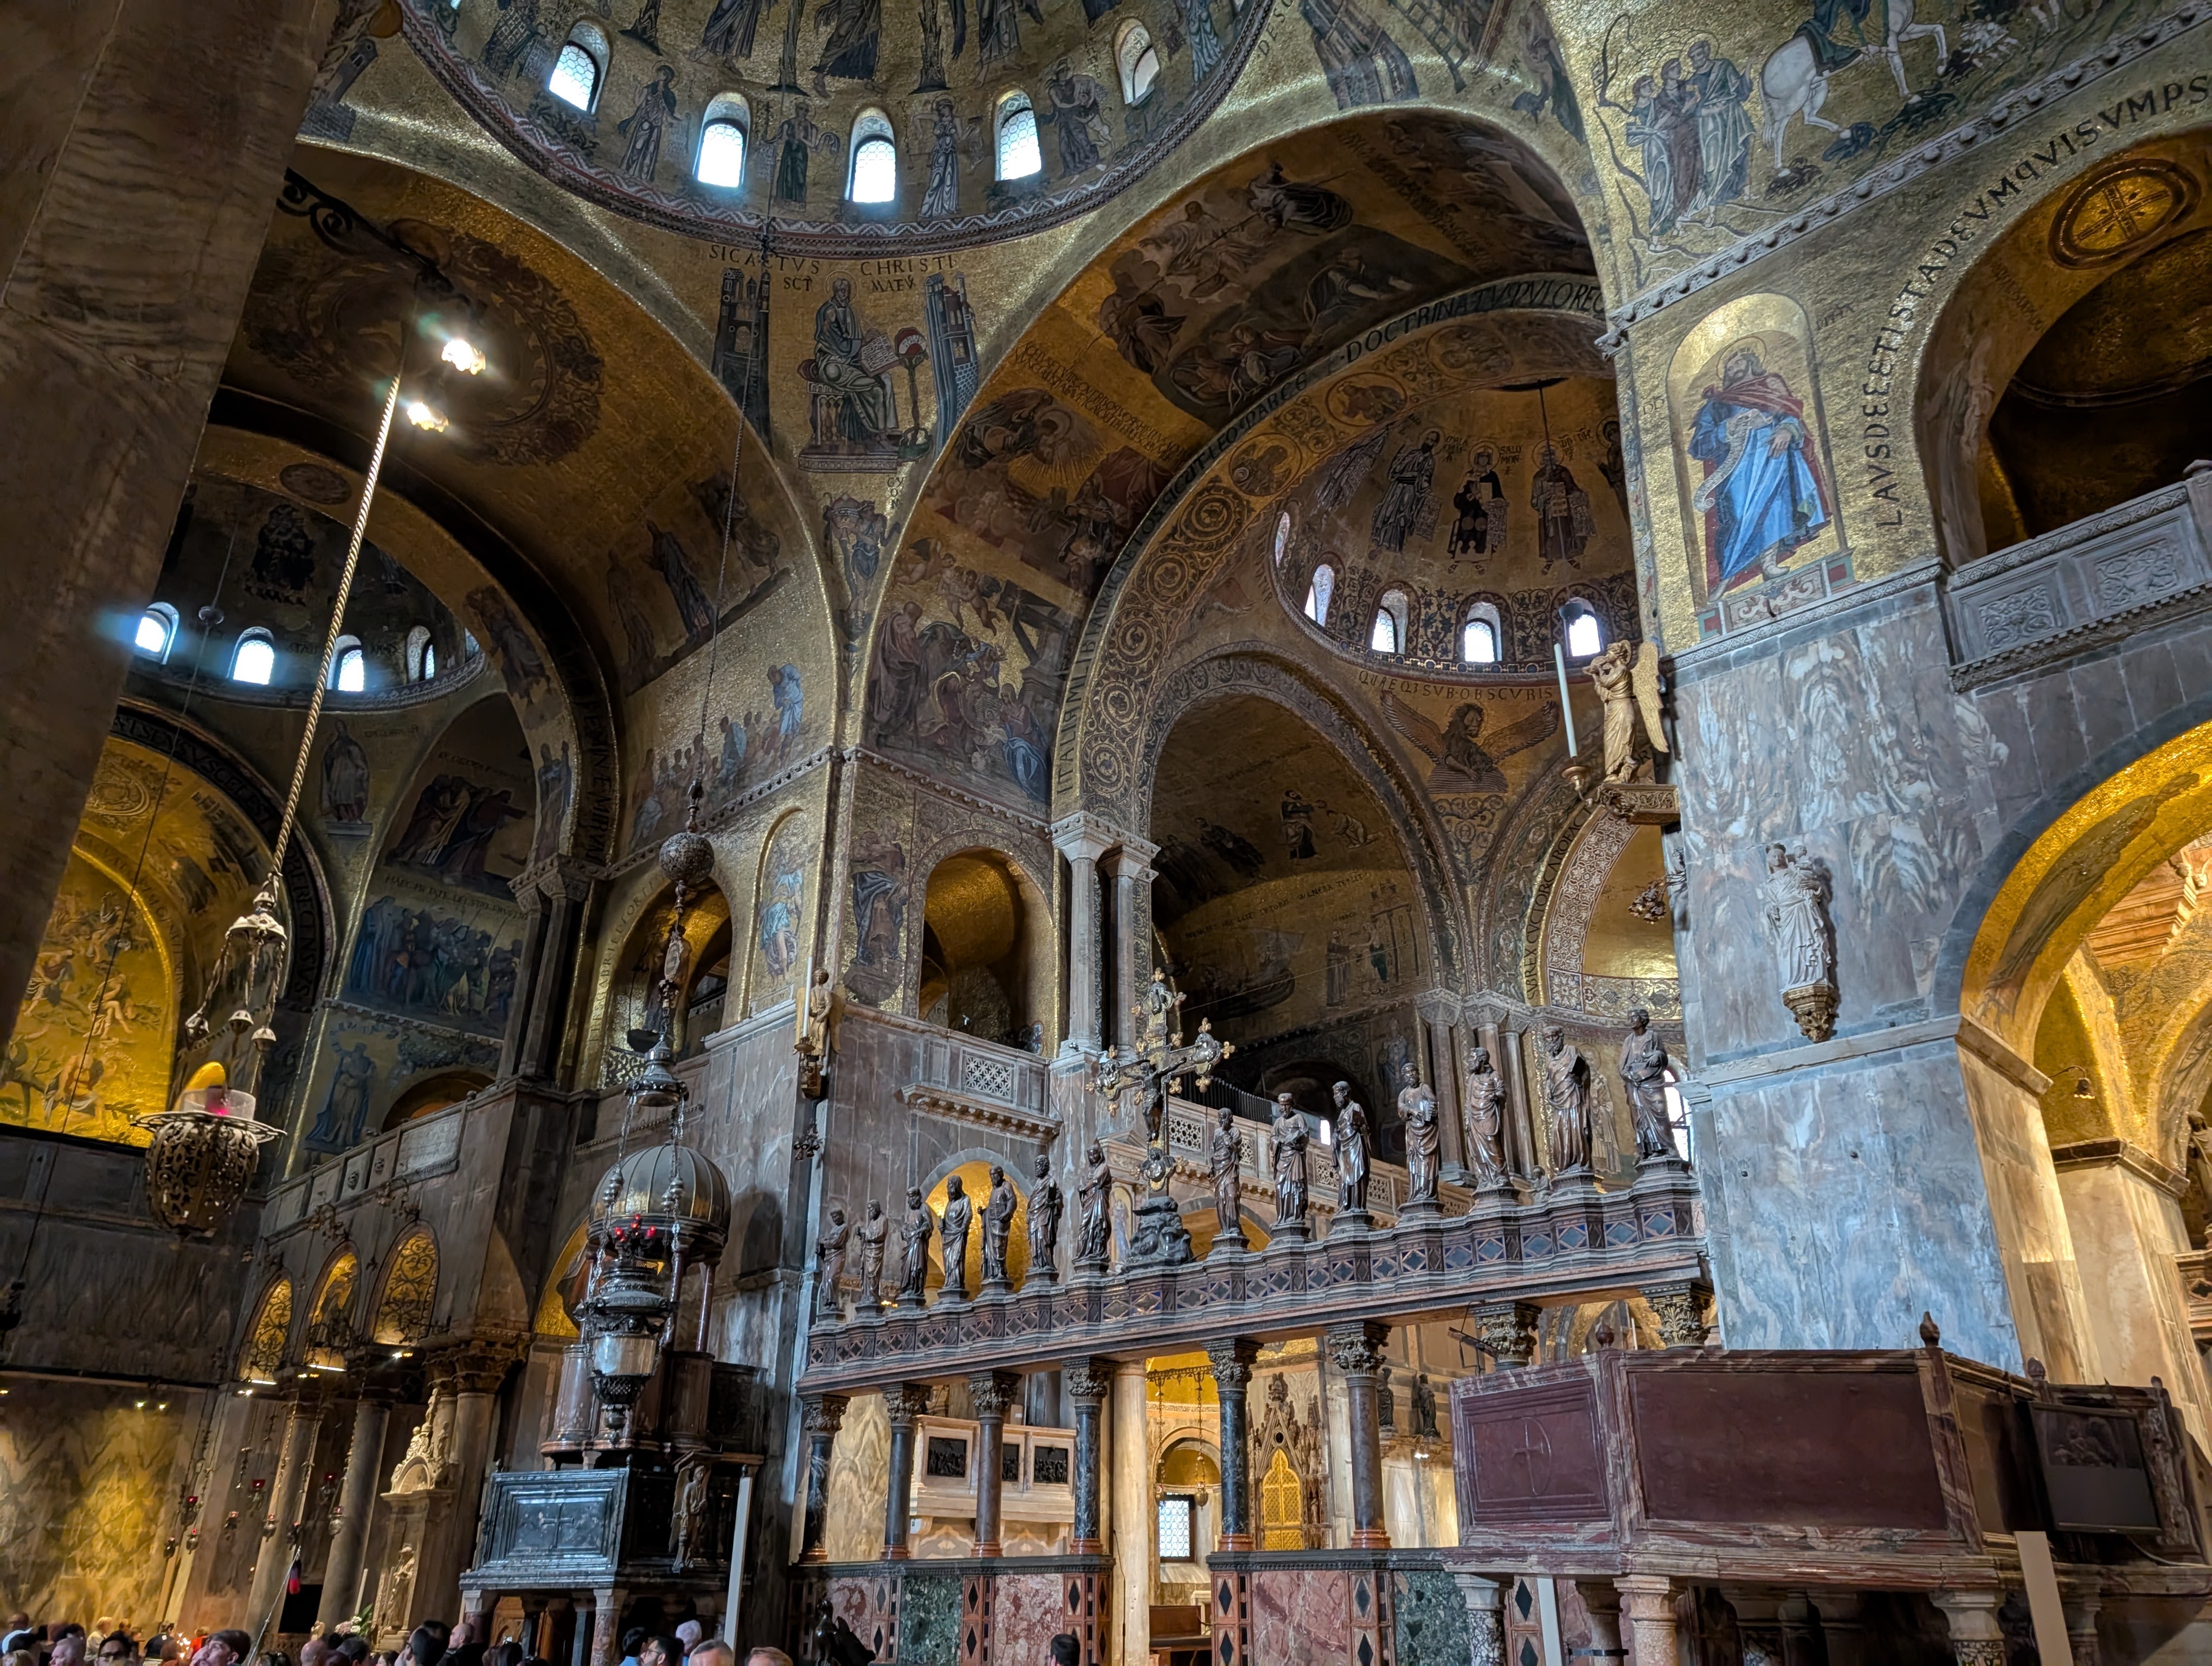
(872, 1233)
(998, 1230)
(829, 1261)
(1290, 1132)
(1227, 1154)
(1046, 1205)
(1567, 1092)
(1644, 1073)
(1350, 1151)
(1417, 1110)
(915, 1230)
(1795, 902)
(1485, 1122)
(952, 1230)
(1094, 1229)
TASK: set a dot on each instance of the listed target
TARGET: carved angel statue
(829, 1261)
(1417, 1110)
(915, 1230)
(1047, 1203)
(1094, 1228)
(1626, 676)
(997, 1229)
(1486, 1122)
(1567, 1091)
(872, 1233)
(1463, 761)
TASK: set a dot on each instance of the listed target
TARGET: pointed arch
(263, 1355)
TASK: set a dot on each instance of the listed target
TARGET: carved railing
(1579, 1244)
(2084, 586)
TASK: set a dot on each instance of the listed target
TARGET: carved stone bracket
(1506, 1331)
(1814, 1005)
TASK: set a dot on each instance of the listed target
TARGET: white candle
(1566, 708)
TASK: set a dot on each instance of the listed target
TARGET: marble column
(147, 142)
(1442, 1075)
(1977, 1639)
(1079, 839)
(1130, 867)
(2081, 1602)
(823, 1414)
(287, 1492)
(1088, 1382)
(566, 888)
(607, 1604)
(1233, 1378)
(990, 1392)
(472, 1374)
(1512, 1058)
(1647, 1605)
(1486, 1618)
(1357, 1352)
(342, 1571)
(1506, 1331)
(1843, 1633)
(1602, 1603)
(902, 1405)
(1135, 1523)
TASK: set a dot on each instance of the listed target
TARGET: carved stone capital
(1233, 1361)
(906, 1403)
(1358, 1349)
(1084, 837)
(479, 1365)
(823, 1413)
(1814, 1005)
(1679, 1309)
(1088, 1382)
(992, 1392)
(1132, 860)
(1506, 1331)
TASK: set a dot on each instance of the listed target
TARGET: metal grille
(988, 1079)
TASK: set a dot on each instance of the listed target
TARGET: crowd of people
(430, 1644)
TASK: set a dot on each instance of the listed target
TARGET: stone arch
(407, 1295)
(972, 1163)
(1997, 309)
(331, 1315)
(1035, 929)
(1565, 967)
(263, 1356)
(1512, 330)
(563, 1286)
(1259, 670)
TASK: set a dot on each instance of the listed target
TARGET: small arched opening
(986, 956)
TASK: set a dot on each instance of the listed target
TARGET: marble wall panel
(1029, 1609)
(1431, 1619)
(860, 1481)
(2125, 1233)
(1300, 1616)
(1843, 1201)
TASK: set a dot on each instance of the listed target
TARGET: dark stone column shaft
(902, 1404)
(992, 1392)
(1232, 1379)
(1089, 1381)
(824, 1415)
(1356, 1351)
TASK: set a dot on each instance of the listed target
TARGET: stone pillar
(1356, 1350)
(1135, 1523)
(543, 999)
(1602, 1603)
(1506, 1331)
(607, 1604)
(823, 1414)
(1647, 1604)
(902, 1404)
(472, 1373)
(1131, 868)
(1977, 1639)
(342, 1572)
(2082, 1602)
(143, 174)
(1088, 1382)
(1083, 842)
(1841, 1629)
(287, 1494)
(1486, 1618)
(990, 1392)
(1232, 1378)
(1511, 1059)
(1442, 1075)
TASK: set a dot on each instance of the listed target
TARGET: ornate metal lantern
(202, 1153)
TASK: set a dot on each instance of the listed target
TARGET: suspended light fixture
(202, 1151)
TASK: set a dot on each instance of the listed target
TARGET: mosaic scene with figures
(1107, 833)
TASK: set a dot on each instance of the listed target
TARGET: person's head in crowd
(222, 1648)
(633, 1640)
(688, 1634)
(425, 1647)
(116, 1647)
(354, 1648)
(1066, 1650)
(68, 1649)
(315, 1653)
(661, 1651)
(763, 1656)
(714, 1652)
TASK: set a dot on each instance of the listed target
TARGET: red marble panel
(1031, 1609)
(1298, 1617)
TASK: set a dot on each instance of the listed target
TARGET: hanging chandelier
(202, 1151)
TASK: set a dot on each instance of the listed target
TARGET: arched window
(1020, 157)
(1282, 535)
(157, 631)
(422, 657)
(350, 667)
(1139, 62)
(1478, 637)
(581, 68)
(1585, 636)
(254, 659)
(875, 159)
(1388, 635)
(722, 143)
(1318, 592)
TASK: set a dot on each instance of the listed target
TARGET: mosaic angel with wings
(1463, 761)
